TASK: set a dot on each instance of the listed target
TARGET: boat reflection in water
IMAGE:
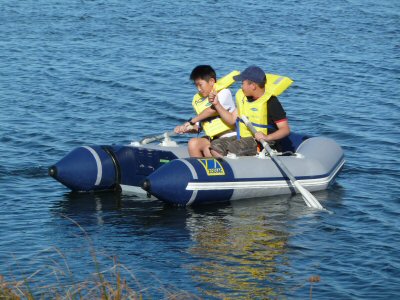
(241, 252)
(244, 250)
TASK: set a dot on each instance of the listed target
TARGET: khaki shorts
(244, 147)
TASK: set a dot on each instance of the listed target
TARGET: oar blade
(310, 200)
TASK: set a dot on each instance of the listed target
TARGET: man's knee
(197, 146)
(193, 143)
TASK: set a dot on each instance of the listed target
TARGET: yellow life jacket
(215, 125)
(257, 111)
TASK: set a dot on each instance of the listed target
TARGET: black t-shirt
(276, 112)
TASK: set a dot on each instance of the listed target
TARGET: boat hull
(196, 181)
(117, 167)
(167, 173)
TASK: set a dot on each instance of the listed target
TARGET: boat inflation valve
(53, 171)
(146, 185)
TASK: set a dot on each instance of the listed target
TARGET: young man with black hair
(204, 78)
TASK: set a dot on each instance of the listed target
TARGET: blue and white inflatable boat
(166, 172)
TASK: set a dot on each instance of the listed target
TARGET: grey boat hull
(186, 181)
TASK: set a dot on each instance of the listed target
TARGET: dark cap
(252, 73)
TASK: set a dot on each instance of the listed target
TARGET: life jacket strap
(238, 120)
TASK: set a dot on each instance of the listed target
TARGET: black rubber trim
(116, 164)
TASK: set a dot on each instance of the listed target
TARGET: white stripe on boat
(194, 175)
(235, 185)
(98, 163)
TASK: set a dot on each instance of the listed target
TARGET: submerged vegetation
(114, 283)
(96, 288)
(115, 288)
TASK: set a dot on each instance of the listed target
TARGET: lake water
(83, 72)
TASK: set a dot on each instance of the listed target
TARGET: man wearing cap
(262, 109)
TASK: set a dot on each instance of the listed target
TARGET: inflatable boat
(165, 171)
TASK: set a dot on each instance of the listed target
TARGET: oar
(159, 137)
(165, 135)
(310, 200)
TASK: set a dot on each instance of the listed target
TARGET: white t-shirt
(226, 100)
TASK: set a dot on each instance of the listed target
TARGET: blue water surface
(83, 72)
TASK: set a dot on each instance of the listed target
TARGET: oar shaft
(148, 140)
(158, 137)
(278, 161)
(310, 200)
